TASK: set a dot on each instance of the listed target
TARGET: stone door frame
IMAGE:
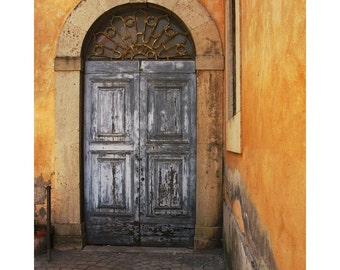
(67, 200)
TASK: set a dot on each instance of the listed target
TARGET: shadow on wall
(246, 241)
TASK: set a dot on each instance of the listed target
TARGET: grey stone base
(68, 236)
(207, 237)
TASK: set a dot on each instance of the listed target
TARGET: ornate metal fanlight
(140, 34)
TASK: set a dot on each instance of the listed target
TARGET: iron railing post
(48, 190)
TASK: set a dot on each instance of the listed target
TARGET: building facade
(241, 182)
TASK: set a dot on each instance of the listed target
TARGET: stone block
(209, 106)
(65, 242)
(108, 4)
(208, 232)
(70, 41)
(85, 14)
(67, 64)
(207, 45)
(206, 243)
(67, 106)
(68, 228)
(66, 187)
(210, 62)
(185, 10)
(165, 3)
(69, 236)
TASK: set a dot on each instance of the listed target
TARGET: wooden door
(139, 152)
(111, 173)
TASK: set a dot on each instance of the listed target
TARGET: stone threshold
(155, 250)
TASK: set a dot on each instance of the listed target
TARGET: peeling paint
(168, 188)
(40, 199)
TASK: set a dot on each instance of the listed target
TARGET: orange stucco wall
(49, 16)
(272, 163)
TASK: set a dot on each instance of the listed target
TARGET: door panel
(168, 153)
(111, 109)
(111, 194)
(168, 185)
(110, 144)
(139, 145)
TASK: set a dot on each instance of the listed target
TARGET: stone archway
(68, 217)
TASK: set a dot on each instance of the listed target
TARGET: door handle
(138, 157)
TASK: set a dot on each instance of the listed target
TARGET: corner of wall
(245, 240)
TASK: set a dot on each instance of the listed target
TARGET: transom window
(143, 33)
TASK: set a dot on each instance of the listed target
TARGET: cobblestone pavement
(129, 258)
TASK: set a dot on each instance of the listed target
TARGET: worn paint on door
(140, 152)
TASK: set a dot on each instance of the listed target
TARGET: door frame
(68, 218)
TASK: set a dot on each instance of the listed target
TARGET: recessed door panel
(165, 116)
(168, 185)
(110, 190)
(111, 107)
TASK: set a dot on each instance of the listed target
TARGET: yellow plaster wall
(49, 16)
(272, 163)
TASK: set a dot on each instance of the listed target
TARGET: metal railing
(49, 227)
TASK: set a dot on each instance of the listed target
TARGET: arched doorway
(69, 66)
(139, 129)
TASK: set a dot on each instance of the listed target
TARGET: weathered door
(139, 152)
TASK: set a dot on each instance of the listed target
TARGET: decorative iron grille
(141, 34)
